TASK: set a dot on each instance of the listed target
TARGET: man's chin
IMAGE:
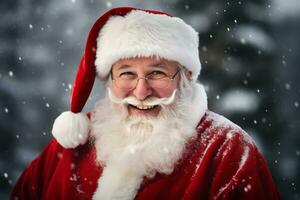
(143, 112)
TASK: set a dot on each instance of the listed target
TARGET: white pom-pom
(71, 129)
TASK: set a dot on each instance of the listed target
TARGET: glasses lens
(128, 84)
(125, 84)
(160, 83)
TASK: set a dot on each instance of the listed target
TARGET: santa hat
(120, 33)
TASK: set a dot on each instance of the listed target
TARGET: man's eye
(127, 75)
(157, 75)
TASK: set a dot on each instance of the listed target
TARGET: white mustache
(151, 101)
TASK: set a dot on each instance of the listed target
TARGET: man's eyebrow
(158, 65)
(124, 66)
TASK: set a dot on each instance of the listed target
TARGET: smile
(143, 107)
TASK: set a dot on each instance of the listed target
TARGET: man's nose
(142, 89)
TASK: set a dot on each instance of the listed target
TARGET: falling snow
(68, 35)
(59, 155)
(243, 41)
(108, 4)
(247, 188)
(72, 166)
(10, 73)
(74, 177)
(287, 86)
(6, 110)
(263, 120)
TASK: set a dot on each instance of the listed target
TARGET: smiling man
(151, 136)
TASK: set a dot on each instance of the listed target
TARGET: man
(152, 136)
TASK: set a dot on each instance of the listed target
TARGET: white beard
(131, 147)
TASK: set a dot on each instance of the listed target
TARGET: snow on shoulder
(221, 122)
(227, 134)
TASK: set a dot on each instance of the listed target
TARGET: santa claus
(151, 136)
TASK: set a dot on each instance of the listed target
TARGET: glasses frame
(171, 78)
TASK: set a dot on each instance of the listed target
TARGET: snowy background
(250, 52)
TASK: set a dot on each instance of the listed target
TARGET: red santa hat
(120, 33)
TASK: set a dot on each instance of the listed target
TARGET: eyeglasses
(155, 79)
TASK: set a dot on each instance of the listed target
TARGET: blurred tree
(8, 104)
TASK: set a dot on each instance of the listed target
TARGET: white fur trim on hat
(142, 34)
(71, 129)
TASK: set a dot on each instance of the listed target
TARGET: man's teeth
(142, 107)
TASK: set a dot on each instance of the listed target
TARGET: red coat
(222, 162)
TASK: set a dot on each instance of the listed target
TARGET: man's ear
(188, 74)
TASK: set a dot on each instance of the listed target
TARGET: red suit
(222, 162)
